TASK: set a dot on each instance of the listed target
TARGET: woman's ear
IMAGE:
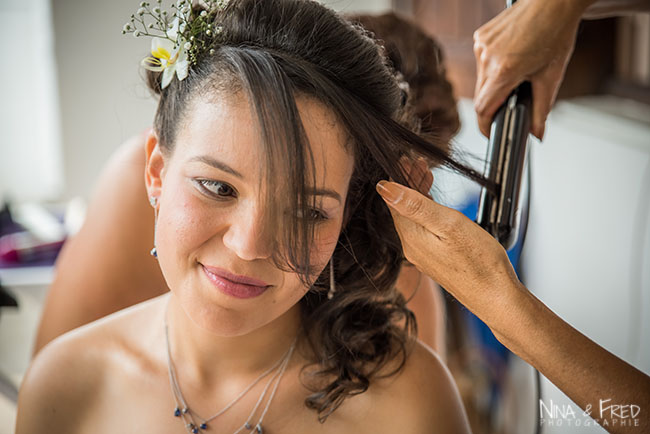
(155, 167)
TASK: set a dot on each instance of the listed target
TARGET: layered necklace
(195, 423)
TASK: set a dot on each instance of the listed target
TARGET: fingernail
(389, 192)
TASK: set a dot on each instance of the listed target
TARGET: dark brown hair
(274, 51)
(420, 60)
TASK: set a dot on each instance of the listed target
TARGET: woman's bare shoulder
(58, 386)
(421, 398)
(68, 374)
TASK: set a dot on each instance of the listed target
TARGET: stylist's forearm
(583, 370)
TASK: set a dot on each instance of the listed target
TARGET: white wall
(30, 153)
(103, 97)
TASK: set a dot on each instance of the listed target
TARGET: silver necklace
(190, 417)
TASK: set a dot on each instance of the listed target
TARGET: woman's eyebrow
(324, 192)
(210, 161)
(206, 159)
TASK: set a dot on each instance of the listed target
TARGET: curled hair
(275, 51)
(420, 60)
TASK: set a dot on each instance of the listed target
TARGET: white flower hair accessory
(180, 39)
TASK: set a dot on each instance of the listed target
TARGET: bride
(276, 120)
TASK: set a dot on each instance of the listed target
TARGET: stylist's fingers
(483, 38)
(413, 215)
(493, 93)
(545, 87)
(542, 100)
(480, 74)
(496, 68)
(411, 204)
(528, 41)
(447, 246)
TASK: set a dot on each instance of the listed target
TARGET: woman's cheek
(324, 244)
(189, 222)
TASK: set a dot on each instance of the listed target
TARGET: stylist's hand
(474, 268)
(532, 40)
(450, 248)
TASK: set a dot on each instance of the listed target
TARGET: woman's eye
(313, 214)
(216, 188)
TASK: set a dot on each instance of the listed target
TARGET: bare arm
(474, 268)
(106, 266)
(591, 376)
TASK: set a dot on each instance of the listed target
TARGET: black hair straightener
(504, 213)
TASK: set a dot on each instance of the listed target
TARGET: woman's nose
(248, 235)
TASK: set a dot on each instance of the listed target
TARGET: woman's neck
(206, 356)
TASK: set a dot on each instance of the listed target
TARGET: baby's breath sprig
(157, 27)
(180, 38)
(203, 35)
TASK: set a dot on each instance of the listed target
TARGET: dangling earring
(330, 293)
(154, 203)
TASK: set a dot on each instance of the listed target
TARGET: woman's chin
(212, 317)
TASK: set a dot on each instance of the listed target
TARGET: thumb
(409, 203)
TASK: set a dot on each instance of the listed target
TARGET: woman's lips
(235, 285)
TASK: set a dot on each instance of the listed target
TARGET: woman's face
(213, 243)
